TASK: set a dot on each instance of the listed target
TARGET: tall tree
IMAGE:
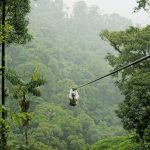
(21, 91)
(134, 82)
(142, 4)
(14, 13)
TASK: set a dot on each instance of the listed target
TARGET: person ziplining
(74, 96)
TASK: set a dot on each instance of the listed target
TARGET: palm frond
(35, 92)
(37, 83)
(12, 76)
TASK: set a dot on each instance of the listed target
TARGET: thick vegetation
(16, 21)
(68, 51)
(134, 83)
(119, 143)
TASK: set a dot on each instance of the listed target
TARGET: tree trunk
(141, 140)
(141, 145)
(26, 134)
(3, 135)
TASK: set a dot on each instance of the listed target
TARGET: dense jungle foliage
(66, 51)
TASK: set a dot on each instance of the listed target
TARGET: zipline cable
(124, 67)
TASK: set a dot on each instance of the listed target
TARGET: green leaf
(35, 75)
(16, 119)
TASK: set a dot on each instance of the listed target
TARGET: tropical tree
(16, 12)
(142, 4)
(21, 91)
(13, 29)
(7, 29)
(134, 82)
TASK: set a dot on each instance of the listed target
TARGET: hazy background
(123, 7)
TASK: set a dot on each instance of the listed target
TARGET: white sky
(122, 7)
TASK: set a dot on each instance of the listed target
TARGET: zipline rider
(73, 97)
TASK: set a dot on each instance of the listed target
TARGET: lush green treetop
(16, 17)
(142, 4)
